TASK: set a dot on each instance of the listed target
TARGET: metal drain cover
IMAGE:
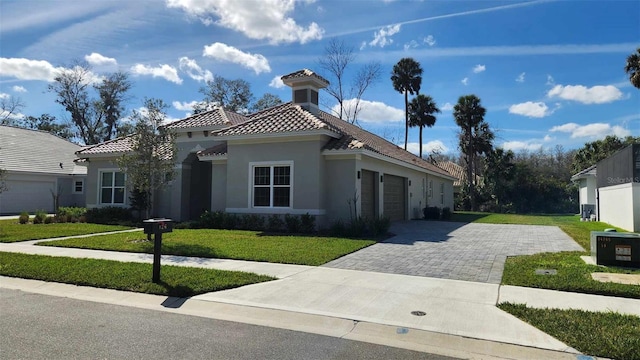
(418, 313)
(546, 272)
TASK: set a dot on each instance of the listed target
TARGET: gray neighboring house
(289, 159)
(40, 166)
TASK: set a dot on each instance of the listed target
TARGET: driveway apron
(459, 251)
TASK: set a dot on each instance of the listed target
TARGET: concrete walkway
(450, 317)
(458, 251)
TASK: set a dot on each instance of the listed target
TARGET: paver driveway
(450, 250)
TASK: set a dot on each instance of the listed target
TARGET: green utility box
(616, 249)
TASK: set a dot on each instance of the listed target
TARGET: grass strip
(227, 244)
(611, 335)
(13, 231)
(175, 280)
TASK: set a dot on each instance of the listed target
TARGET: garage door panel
(394, 197)
(27, 196)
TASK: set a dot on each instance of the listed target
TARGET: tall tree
(336, 61)
(421, 113)
(407, 79)
(149, 166)
(10, 107)
(594, 151)
(266, 101)
(49, 124)
(234, 95)
(94, 119)
(475, 137)
(632, 68)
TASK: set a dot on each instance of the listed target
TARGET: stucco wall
(620, 205)
(341, 183)
(219, 186)
(587, 190)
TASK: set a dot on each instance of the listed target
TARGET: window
(272, 186)
(78, 186)
(112, 187)
(430, 188)
(300, 96)
(441, 193)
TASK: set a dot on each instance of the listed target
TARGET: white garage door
(27, 196)
(395, 203)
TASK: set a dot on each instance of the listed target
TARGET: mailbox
(614, 248)
(157, 226)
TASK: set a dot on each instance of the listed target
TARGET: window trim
(99, 192)
(442, 193)
(271, 165)
(430, 191)
(73, 186)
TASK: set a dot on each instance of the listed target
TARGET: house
(612, 186)
(292, 158)
(39, 168)
(587, 191)
(456, 171)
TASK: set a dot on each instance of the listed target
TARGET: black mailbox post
(616, 249)
(157, 227)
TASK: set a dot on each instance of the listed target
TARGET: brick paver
(449, 250)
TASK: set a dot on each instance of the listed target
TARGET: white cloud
(372, 111)
(465, 81)
(550, 80)
(531, 109)
(447, 107)
(594, 95)
(427, 148)
(4, 96)
(184, 106)
(265, 19)
(26, 69)
(191, 68)
(594, 131)
(429, 40)
(220, 51)
(382, 37)
(18, 88)
(548, 138)
(410, 45)
(479, 68)
(521, 145)
(520, 78)
(98, 60)
(164, 71)
(276, 82)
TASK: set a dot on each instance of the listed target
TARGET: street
(34, 326)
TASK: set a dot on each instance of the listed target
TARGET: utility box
(616, 249)
(157, 226)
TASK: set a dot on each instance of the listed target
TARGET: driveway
(459, 251)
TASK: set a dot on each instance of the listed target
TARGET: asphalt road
(34, 326)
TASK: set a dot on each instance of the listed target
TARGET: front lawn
(609, 335)
(175, 280)
(12, 230)
(227, 244)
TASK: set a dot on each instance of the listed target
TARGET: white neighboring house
(587, 192)
(613, 186)
(40, 167)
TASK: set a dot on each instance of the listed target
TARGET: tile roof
(303, 73)
(590, 171)
(116, 146)
(215, 117)
(217, 150)
(455, 170)
(37, 151)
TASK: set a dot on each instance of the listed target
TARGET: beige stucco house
(292, 158)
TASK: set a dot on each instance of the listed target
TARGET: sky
(548, 72)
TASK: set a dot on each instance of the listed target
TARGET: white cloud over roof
(374, 112)
(382, 37)
(594, 130)
(521, 145)
(594, 95)
(531, 109)
(26, 69)
(164, 71)
(224, 52)
(193, 70)
(479, 68)
(18, 88)
(264, 19)
(99, 60)
(276, 82)
(428, 147)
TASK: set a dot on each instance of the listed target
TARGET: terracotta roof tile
(220, 149)
(455, 170)
(304, 73)
(211, 118)
(116, 146)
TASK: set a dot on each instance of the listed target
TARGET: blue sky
(549, 72)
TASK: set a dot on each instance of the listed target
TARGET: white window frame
(113, 187)
(270, 165)
(73, 186)
(430, 189)
(441, 193)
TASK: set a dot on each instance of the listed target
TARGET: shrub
(293, 223)
(48, 220)
(70, 214)
(357, 228)
(108, 215)
(446, 214)
(211, 220)
(337, 228)
(379, 225)
(307, 223)
(24, 217)
(431, 213)
(230, 221)
(253, 222)
(39, 217)
(275, 223)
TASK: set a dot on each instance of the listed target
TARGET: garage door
(27, 196)
(394, 197)
(368, 199)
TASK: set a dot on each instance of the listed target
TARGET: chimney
(305, 86)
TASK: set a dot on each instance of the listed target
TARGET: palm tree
(633, 68)
(407, 78)
(421, 113)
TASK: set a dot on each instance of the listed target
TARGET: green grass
(175, 280)
(12, 230)
(227, 244)
(573, 274)
(609, 335)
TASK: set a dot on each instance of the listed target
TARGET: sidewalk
(376, 307)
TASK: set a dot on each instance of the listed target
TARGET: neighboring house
(40, 168)
(613, 186)
(457, 172)
(586, 180)
(289, 159)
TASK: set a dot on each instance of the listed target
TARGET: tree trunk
(406, 119)
(470, 179)
(420, 142)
